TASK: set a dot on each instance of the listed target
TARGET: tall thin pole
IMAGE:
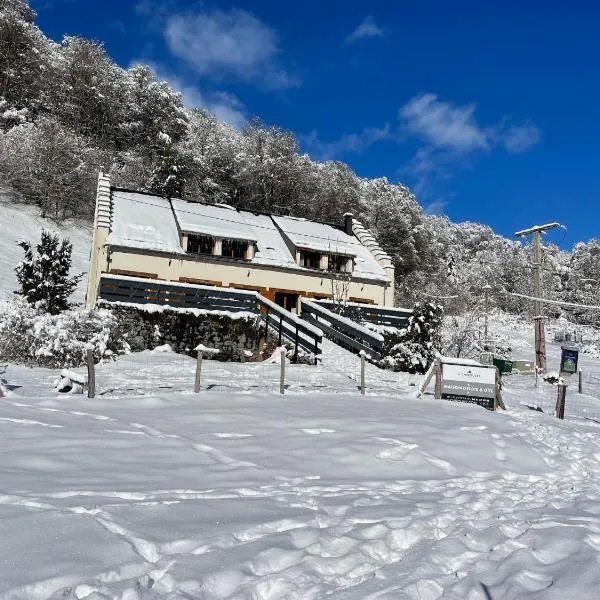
(540, 337)
(485, 323)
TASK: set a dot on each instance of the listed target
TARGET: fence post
(91, 374)
(438, 379)
(198, 371)
(282, 371)
(363, 362)
(580, 373)
(560, 400)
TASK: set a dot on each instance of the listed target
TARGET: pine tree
(413, 349)
(44, 278)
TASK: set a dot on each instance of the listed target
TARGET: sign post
(470, 383)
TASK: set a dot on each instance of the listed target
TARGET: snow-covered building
(142, 235)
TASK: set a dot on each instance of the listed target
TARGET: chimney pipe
(348, 217)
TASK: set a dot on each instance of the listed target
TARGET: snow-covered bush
(413, 349)
(57, 341)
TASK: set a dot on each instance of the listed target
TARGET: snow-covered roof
(143, 221)
(316, 236)
(212, 219)
(271, 248)
(153, 223)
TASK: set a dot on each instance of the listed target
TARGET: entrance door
(288, 301)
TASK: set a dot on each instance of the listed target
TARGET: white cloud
(436, 207)
(443, 125)
(351, 142)
(368, 28)
(228, 43)
(517, 139)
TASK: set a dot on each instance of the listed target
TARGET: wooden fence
(371, 313)
(277, 320)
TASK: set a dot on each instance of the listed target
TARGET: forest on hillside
(67, 110)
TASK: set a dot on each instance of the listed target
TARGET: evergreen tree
(44, 277)
(413, 349)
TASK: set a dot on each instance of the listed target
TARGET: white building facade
(147, 236)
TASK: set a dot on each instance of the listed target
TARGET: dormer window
(200, 244)
(234, 249)
(339, 263)
(310, 259)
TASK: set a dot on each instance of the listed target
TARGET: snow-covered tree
(43, 276)
(413, 349)
(25, 63)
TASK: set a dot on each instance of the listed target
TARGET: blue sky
(488, 112)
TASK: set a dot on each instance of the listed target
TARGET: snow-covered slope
(18, 221)
(239, 492)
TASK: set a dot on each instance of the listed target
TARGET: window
(234, 249)
(200, 244)
(338, 263)
(309, 259)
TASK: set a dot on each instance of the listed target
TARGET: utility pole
(486, 289)
(540, 339)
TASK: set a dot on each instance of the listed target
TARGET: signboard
(469, 383)
(568, 360)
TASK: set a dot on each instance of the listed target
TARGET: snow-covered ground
(18, 221)
(150, 491)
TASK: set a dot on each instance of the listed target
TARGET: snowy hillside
(149, 491)
(19, 221)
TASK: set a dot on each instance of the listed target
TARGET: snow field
(151, 491)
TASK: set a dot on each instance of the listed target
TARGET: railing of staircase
(371, 313)
(285, 324)
(342, 330)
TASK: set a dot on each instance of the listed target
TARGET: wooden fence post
(438, 379)
(91, 374)
(560, 400)
(363, 362)
(198, 372)
(580, 373)
(282, 371)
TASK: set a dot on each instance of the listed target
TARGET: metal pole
(580, 373)
(198, 371)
